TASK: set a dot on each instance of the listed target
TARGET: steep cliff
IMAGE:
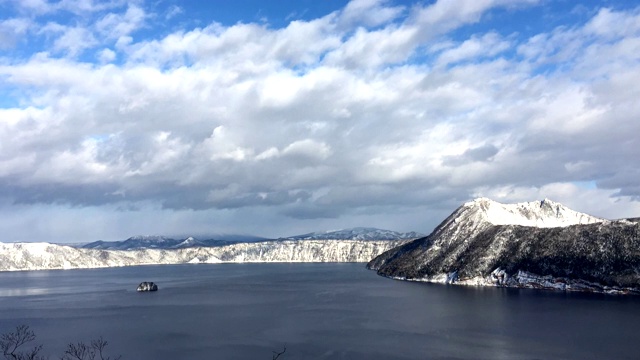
(40, 256)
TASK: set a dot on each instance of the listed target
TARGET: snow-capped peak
(543, 213)
(190, 241)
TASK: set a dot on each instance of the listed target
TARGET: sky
(276, 118)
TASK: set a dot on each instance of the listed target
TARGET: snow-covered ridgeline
(480, 214)
(357, 233)
(544, 214)
(41, 256)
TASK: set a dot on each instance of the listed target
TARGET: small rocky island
(147, 286)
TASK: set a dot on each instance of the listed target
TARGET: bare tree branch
(98, 345)
(82, 351)
(78, 351)
(277, 354)
(11, 342)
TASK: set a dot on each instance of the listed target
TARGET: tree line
(18, 345)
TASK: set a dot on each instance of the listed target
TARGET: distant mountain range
(357, 233)
(163, 242)
(540, 244)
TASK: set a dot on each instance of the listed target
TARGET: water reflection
(321, 311)
(23, 292)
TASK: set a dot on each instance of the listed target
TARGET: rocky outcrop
(486, 243)
(147, 286)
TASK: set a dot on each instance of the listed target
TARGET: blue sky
(277, 118)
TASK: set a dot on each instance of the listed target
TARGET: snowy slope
(535, 244)
(545, 213)
(38, 256)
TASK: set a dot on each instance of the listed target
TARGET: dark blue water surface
(319, 311)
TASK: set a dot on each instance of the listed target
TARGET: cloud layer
(374, 111)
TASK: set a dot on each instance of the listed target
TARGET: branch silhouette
(276, 354)
(12, 344)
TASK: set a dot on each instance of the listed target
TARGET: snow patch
(525, 280)
(544, 213)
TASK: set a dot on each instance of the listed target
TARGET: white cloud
(74, 41)
(308, 149)
(12, 30)
(446, 15)
(164, 151)
(173, 11)
(221, 146)
(372, 49)
(369, 12)
(74, 166)
(107, 56)
(475, 48)
(268, 154)
(115, 25)
(35, 6)
(364, 112)
(611, 24)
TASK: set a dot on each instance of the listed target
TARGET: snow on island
(147, 286)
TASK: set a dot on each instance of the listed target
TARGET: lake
(319, 311)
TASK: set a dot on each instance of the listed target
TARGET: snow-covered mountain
(139, 242)
(539, 244)
(39, 256)
(545, 213)
(357, 233)
(189, 242)
(134, 242)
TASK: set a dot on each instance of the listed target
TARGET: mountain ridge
(543, 213)
(537, 244)
(46, 256)
(139, 242)
(357, 233)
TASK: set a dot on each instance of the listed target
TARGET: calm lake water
(320, 311)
